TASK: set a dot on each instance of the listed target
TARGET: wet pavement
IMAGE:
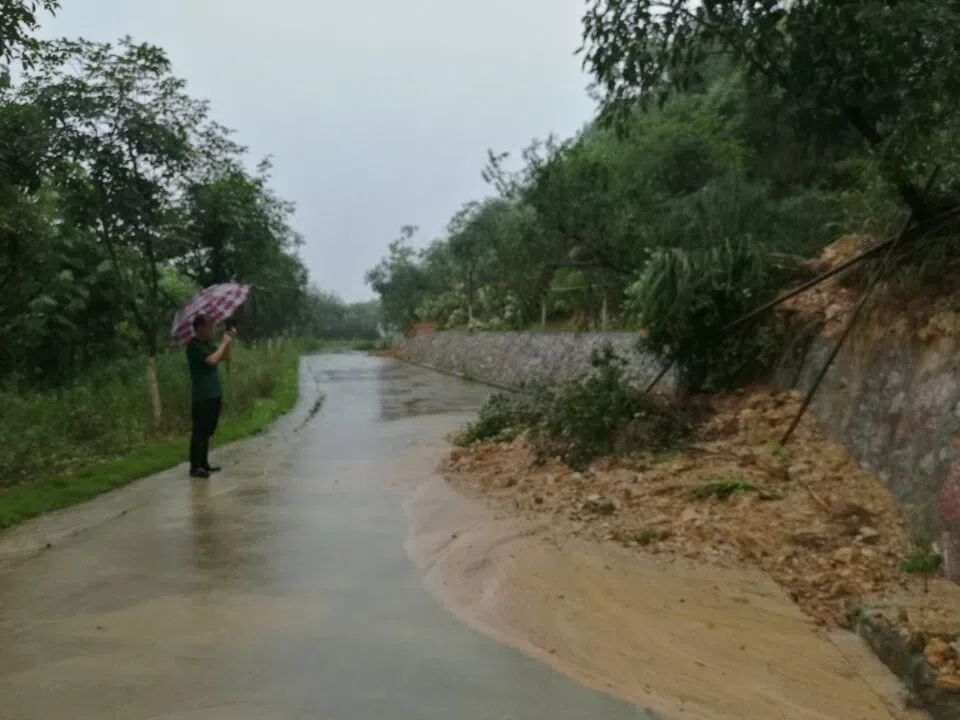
(278, 589)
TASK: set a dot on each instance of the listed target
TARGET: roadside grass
(62, 448)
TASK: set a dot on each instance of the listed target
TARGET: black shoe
(212, 468)
(199, 473)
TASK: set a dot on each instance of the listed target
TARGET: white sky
(378, 113)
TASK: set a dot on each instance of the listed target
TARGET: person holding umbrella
(206, 390)
(193, 326)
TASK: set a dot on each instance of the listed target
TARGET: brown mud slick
(685, 638)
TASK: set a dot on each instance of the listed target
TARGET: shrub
(503, 417)
(924, 564)
(685, 298)
(723, 488)
(597, 414)
(602, 413)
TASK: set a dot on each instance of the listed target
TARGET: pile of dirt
(824, 528)
(832, 302)
(926, 313)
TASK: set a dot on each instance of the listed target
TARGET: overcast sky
(378, 113)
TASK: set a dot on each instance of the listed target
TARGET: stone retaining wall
(515, 359)
(895, 404)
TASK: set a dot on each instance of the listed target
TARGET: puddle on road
(689, 640)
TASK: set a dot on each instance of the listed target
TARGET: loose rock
(951, 683)
(599, 505)
(843, 555)
(938, 653)
(868, 534)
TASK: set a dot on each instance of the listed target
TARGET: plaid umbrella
(217, 301)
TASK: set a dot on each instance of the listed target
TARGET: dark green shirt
(204, 378)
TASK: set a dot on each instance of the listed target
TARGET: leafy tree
(888, 69)
(466, 242)
(520, 258)
(328, 317)
(18, 18)
(685, 299)
(578, 222)
(234, 225)
(400, 282)
(734, 139)
(119, 197)
(279, 294)
(24, 143)
(126, 132)
(235, 229)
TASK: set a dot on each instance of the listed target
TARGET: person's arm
(222, 351)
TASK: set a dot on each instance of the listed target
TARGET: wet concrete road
(279, 589)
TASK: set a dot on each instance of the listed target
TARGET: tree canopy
(121, 196)
(887, 69)
(733, 140)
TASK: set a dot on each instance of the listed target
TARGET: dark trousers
(206, 414)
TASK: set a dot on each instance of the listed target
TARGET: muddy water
(689, 640)
(278, 589)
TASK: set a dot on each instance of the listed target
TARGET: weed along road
(278, 589)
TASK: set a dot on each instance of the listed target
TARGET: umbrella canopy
(217, 301)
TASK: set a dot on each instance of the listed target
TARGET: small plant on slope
(502, 418)
(723, 488)
(923, 563)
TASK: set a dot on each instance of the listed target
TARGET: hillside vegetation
(733, 141)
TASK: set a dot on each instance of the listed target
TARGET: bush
(108, 413)
(723, 488)
(684, 300)
(502, 418)
(597, 414)
(602, 413)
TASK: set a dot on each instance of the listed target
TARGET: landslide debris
(824, 528)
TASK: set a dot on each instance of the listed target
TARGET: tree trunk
(543, 313)
(603, 313)
(153, 387)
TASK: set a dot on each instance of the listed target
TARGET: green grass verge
(20, 503)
